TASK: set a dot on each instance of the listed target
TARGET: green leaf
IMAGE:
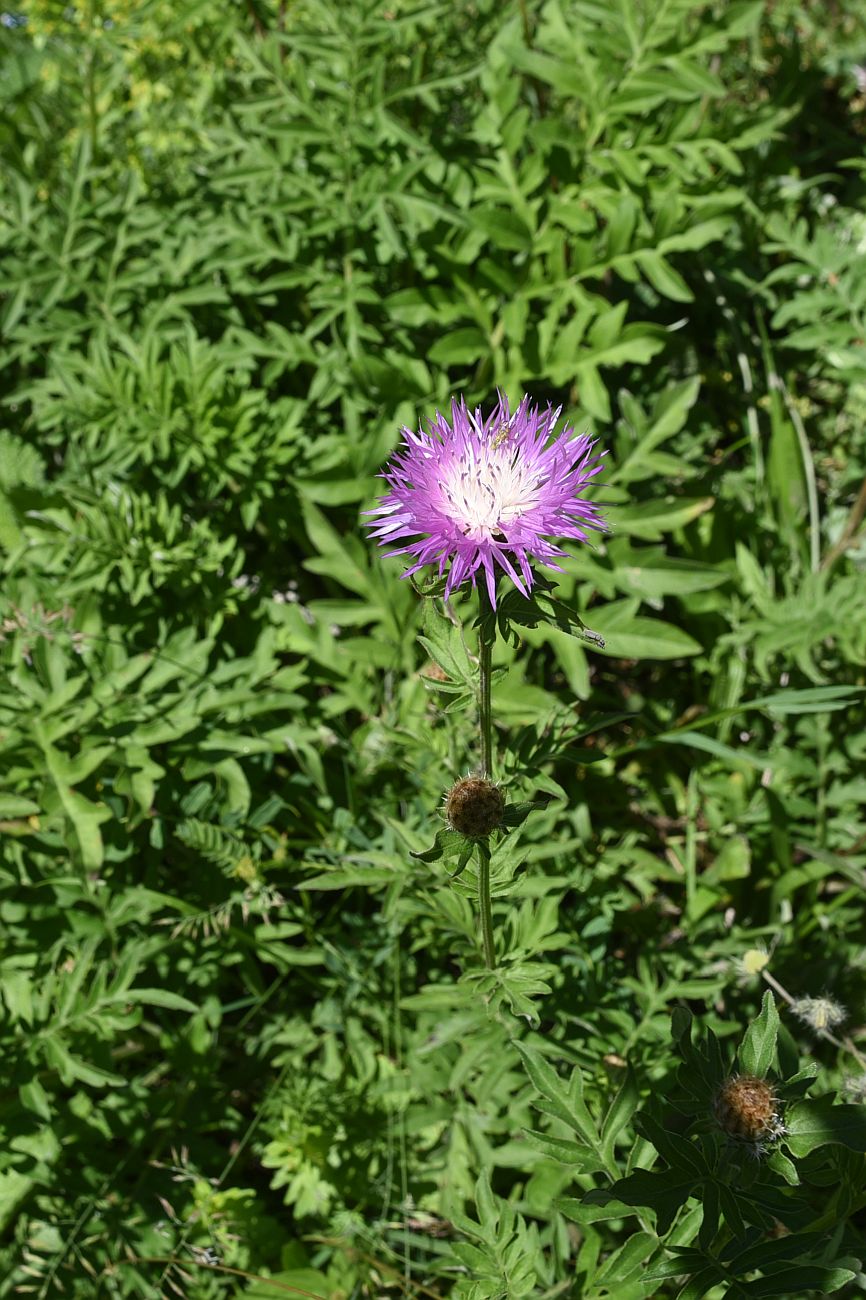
(502, 226)
(515, 814)
(563, 1102)
(444, 644)
(587, 1211)
(303, 1282)
(71, 1067)
(568, 1152)
(758, 1048)
(650, 519)
(641, 638)
(699, 1285)
(781, 1165)
(540, 607)
(463, 347)
(619, 1112)
(810, 699)
(679, 1152)
(624, 1263)
(709, 745)
(799, 1280)
(769, 1255)
(14, 1187)
(665, 1191)
(785, 476)
(35, 1098)
(158, 998)
(447, 843)
(13, 805)
(663, 277)
(811, 1124)
(649, 573)
(86, 817)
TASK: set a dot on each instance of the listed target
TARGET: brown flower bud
(474, 807)
(747, 1108)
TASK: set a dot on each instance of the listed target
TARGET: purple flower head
(479, 493)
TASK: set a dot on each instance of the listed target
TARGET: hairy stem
(484, 904)
(485, 720)
(485, 659)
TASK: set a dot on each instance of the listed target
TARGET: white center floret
(488, 488)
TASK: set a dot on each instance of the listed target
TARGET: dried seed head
(747, 1109)
(819, 1013)
(474, 807)
(754, 961)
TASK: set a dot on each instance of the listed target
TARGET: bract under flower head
(476, 493)
(747, 1109)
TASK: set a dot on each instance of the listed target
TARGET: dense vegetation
(245, 1034)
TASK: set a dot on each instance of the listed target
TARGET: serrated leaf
(539, 607)
(565, 1103)
(447, 843)
(515, 814)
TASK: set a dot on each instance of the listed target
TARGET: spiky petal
(476, 494)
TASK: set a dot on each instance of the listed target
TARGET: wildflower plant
(480, 498)
(250, 1043)
(735, 1170)
(727, 1159)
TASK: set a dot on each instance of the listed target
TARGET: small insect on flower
(478, 494)
(474, 807)
(747, 1109)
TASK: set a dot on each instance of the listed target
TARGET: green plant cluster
(245, 1028)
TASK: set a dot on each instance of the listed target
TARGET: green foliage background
(242, 1029)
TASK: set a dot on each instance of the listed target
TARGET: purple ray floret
(477, 493)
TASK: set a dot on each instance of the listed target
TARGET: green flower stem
(485, 720)
(484, 904)
(485, 660)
